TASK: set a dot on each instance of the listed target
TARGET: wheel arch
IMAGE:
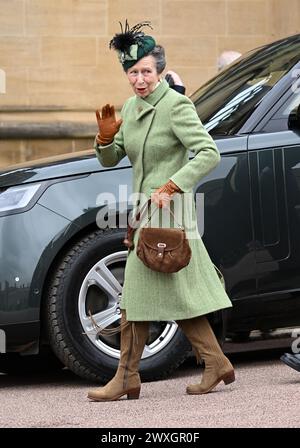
(55, 261)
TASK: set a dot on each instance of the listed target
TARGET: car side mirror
(294, 119)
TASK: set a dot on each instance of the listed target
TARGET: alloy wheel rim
(101, 276)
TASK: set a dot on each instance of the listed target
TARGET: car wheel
(85, 289)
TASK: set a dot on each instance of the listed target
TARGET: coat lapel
(146, 105)
(142, 108)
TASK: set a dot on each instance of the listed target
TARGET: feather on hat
(132, 44)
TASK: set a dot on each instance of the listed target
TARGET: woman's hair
(158, 53)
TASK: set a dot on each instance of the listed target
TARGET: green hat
(132, 44)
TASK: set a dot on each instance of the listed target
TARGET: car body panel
(33, 233)
(54, 168)
(275, 172)
(73, 199)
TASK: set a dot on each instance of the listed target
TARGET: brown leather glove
(162, 196)
(107, 124)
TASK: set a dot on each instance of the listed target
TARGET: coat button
(140, 109)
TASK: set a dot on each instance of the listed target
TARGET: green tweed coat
(157, 133)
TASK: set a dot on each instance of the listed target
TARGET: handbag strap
(128, 240)
(131, 228)
(142, 213)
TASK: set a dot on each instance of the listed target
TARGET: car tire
(71, 293)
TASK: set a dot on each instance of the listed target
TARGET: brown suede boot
(127, 379)
(217, 366)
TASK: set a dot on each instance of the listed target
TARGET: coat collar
(145, 105)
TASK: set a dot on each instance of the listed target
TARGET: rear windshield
(225, 102)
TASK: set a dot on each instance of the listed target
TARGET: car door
(274, 163)
(224, 220)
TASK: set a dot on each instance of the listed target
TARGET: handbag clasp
(161, 249)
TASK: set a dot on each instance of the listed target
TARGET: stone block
(247, 17)
(193, 78)
(12, 17)
(65, 50)
(16, 87)
(193, 18)
(10, 152)
(18, 51)
(49, 18)
(241, 43)
(66, 17)
(134, 11)
(36, 149)
(283, 20)
(90, 17)
(66, 87)
(189, 51)
(81, 144)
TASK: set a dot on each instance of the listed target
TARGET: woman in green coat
(158, 128)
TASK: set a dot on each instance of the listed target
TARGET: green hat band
(136, 52)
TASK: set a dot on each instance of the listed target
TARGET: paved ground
(265, 394)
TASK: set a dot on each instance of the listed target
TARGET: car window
(279, 121)
(225, 102)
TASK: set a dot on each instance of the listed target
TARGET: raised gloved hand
(107, 124)
(163, 195)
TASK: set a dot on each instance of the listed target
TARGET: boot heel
(229, 377)
(134, 394)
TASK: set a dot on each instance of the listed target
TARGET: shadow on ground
(56, 373)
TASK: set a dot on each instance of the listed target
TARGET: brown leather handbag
(161, 249)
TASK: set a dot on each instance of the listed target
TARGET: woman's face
(143, 76)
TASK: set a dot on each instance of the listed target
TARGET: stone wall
(55, 54)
